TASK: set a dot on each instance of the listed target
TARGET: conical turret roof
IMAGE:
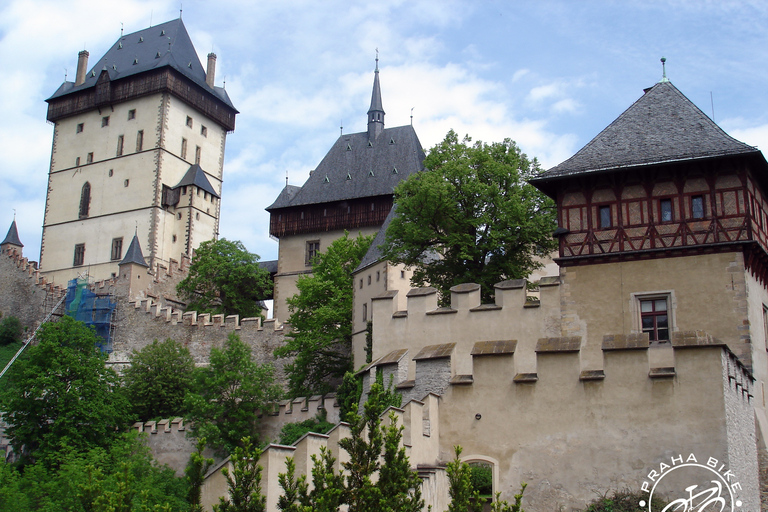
(134, 254)
(13, 236)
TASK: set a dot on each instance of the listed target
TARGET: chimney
(210, 74)
(82, 67)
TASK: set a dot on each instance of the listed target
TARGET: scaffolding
(94, 309)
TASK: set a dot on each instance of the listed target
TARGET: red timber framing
(315, 218)
(715, 205)
(107, 93)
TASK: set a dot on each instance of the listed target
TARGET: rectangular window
(117, 248)
(654, 318)
(365, 312)
(132, 114)
(104, 121)
(605, 217)
(665, 209)
(184, 148)
(77, 161)
(189, 121)
(79, 128)
(79, 255)
(369, 280)
(139, 140)
(198, 150)
(697, 207)
(313, 247)
(119, 145)
(203, 131)
(378, 275)
(89, 158)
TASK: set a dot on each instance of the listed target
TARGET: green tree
(61, 393)
(399, 485)
(11, 330)
(194, 474)
(225, 278)
(295, 496)
(463, 498)
(243, 481)
(157, 380)
(472, 217)
(348, 395)
(321, 317)
(292, 432)
(228, 395)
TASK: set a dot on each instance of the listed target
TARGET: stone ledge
(441, 351)
(691, 339)
(525, 378)
(625, 342)
(461, 380)
(559, 344)
(491, 348)
(591, 375)
(665, 372)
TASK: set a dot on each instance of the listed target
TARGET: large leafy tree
(471, 217)
(62, 394)
(229, 394)
(158, 378)
(225, 278)
(321, 318)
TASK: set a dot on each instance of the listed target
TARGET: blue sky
(548, 74)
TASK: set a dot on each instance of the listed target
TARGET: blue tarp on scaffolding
(92, 309)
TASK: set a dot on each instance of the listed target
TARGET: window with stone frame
(85, 201)
(79, 255)
(117, 248)
(313, 248)
(655, 317)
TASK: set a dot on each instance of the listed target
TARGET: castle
(647, 347)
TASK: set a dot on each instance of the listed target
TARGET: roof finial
(341, 128)
(121, 30)
(412, 115)
(286, 177)
(136, 231)
(14, 215)
(664, 70)
(377, 60)
(181, 9)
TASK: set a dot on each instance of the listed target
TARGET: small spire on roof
(377, 60)
(286, 177)
(664, 70)
(121, 29)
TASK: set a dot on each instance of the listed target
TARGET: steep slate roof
(285, 197)
(164, 45)
(196, 176)
(352, 169)
(662, 126)
(13, 236)
(373, 255)
(134, 254)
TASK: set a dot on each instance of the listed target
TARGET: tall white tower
(138, 147)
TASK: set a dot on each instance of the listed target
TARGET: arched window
(85, 200)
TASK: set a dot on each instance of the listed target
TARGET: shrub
(11, 330)
(623, 501)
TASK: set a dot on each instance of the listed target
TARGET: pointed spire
(134, 254)
(376, 112)
(12, 238)
(663, 70)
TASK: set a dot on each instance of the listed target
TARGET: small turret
(131, 268)
(376, 112)
(11, 241)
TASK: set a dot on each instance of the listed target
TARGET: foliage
(624, 501)
(62, 394)
(321, 317)
(295, 494)
(348, 395)
(243, 481)
(369, 341)
(500, 505)
(122, 478)
(7, 352)
(400, 487)
(292, 432)
(11, 330)
(158, 379)
(482, 478)
(327, 486)
(471, 218)
(194, 474)
(225, 278)
(460, 489)
(228, 394)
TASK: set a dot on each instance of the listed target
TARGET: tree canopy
(224, 278)
(321, 318)
(158, 378)
(471, 217)
(61, 393)
(229, 394)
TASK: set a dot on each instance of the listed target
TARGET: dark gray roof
(373, 255)
(269, 265)
(352, 169)
(164, 45)
(134, 254)
(285, 197)
(662, 126)
(196, 176)
(376, 104)
(13, 236)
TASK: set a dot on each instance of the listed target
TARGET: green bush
(292, 432)
(623, 501)
(11, 330)
(481, 476)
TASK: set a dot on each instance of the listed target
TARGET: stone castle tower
(138, 147)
